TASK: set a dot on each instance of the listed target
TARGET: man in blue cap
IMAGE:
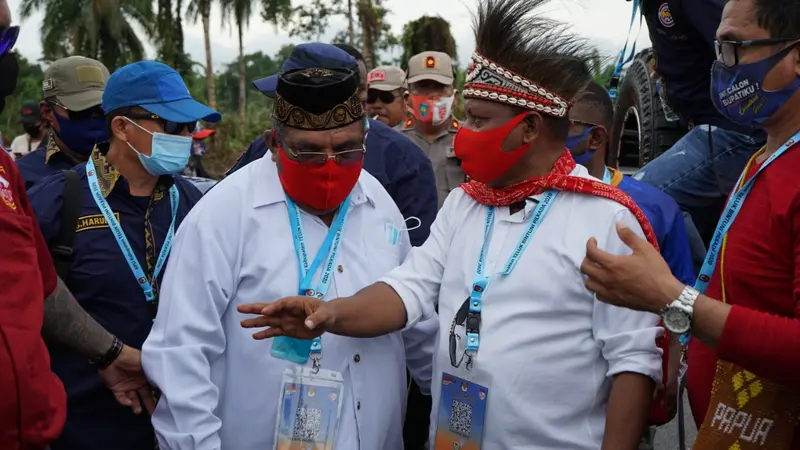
(131, 203)
(400, 166)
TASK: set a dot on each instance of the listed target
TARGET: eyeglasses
(580, 122)
(386, 97)
(8, 39)
(728, 51)
(90, 113)
(174, 128)
(343, 158)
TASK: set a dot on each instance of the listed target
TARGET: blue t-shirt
(104, 285)
(667, 221)
(398, 164)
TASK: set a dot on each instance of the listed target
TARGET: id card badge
(462, 413)
(309, 409)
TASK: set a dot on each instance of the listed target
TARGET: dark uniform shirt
(46, 160)
(441, 152)
(106, 288)
(398, 165)
(682, 33)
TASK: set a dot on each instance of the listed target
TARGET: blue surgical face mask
(573, 142)
(169, 153)
(80, 136)
(738, 92)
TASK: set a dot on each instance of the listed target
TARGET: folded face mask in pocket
(392, 233)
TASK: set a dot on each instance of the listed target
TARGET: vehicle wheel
(641, 130)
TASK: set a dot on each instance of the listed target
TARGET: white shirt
(220, 387)
(23, 144)
(548, 346)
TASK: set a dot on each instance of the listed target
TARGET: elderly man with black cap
(397, 162)
(307, 219)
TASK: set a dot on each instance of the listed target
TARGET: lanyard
(606, 176)
(481, 280)
(122, 240)
(612, 92)
(330, 247)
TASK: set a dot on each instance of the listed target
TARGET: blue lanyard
(732, 209)
(622, 60)
(330, 247)
(607, 176)
(122, 240)
(481, 280)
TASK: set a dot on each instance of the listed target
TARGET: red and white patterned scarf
(559, 179)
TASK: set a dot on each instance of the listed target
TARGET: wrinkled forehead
(739, 22)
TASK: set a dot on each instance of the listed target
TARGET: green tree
(427, 34)
(201, 10)
(102, 30)
(239, 11)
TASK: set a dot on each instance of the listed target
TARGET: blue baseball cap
(307, 56)
(157, 88)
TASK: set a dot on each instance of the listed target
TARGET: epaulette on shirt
(408, 124)
(455, 125)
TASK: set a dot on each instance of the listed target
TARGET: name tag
(93, 222)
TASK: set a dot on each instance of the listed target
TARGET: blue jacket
(667, 221)
(46, 160)
(400, 166)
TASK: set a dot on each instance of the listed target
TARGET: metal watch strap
(687, 299)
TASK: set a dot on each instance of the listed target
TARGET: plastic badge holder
(309, 409)
(290, 349)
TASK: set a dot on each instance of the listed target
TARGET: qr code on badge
(307, 424)
(461, 418)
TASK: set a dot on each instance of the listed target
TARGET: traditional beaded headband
(487, 80)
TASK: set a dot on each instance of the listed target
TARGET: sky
(603, 22)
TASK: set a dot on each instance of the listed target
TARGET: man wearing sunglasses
(385, 95)
(306, 219)
(591, 118)
(72, 89)
(702, 167)
(430, 100)
(131, 204)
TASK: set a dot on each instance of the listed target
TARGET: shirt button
(340, 268)
(358, 405)
(357, 358)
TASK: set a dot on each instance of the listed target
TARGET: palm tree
(370, 30)
(202, 9)
(99, 29)
(240, 11)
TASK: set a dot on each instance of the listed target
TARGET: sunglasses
(386, 97)
(90, 113)
(8, 39)
(169, 127)
(460, 319)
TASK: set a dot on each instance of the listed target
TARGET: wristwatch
(677, 316)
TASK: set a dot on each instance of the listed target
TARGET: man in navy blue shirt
(132, 202)
(72, 89)
(701, 169)
(591, 118)
(392, 158)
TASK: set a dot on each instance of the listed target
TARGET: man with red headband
(526, 356)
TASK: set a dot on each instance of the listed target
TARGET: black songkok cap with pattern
(317, 99)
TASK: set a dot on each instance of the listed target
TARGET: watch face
(676, 321)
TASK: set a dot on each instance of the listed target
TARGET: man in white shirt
(527, 358)
(253, 238)
(31, 120)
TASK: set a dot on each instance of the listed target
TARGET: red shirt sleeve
(765, 343)
(48, 271)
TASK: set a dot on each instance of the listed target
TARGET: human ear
(598, 138)
(531, 127)
(119, 128)
(272, 143)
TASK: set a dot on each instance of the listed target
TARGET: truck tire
(641, 130)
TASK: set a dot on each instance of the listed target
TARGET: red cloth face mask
(481, 152)
(321, 187)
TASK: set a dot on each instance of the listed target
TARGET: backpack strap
(61, 248)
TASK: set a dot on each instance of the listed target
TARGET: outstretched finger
(284, 305)
(268, 333)
(251, 308)
(261, 322)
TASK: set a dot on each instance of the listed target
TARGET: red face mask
(321, 187)
(481, 152)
